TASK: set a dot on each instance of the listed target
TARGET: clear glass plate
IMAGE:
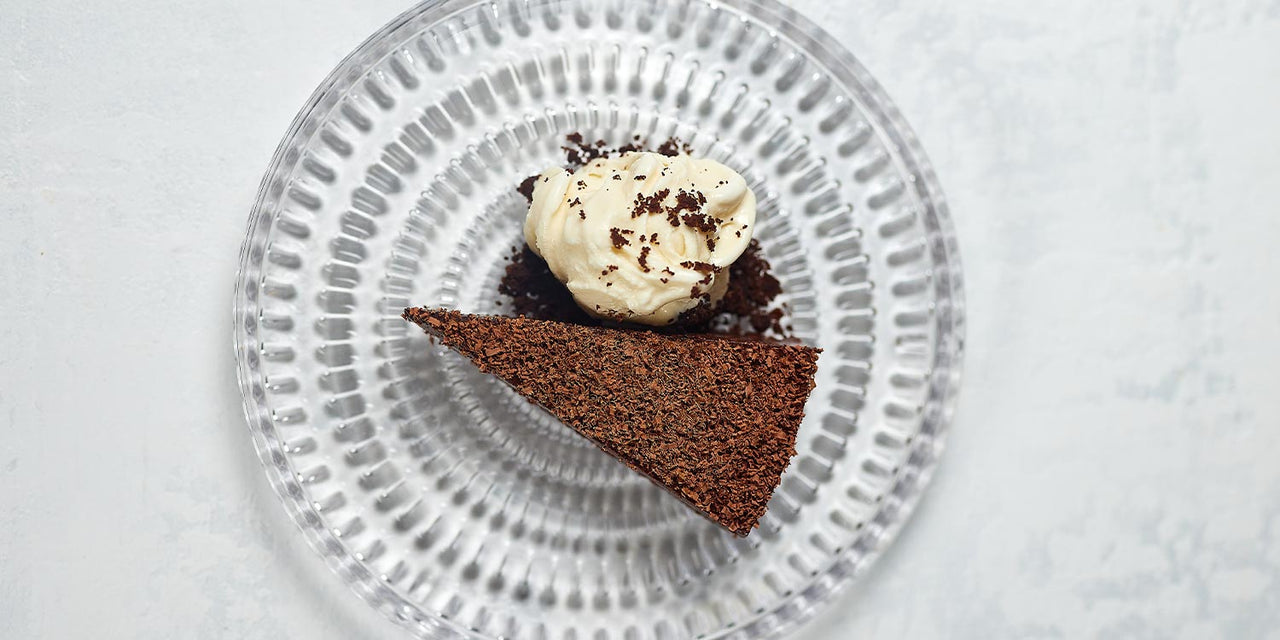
(459, 509)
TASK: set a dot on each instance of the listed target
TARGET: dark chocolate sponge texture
(713, 420)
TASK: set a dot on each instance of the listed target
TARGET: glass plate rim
(789, 613)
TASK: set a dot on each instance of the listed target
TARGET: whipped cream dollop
(641, 237)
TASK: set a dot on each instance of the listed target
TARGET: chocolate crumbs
(534, 291)
(526, 187)
(649, 204)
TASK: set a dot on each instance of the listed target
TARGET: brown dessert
(713, 420)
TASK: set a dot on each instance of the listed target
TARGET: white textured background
(1114, 172)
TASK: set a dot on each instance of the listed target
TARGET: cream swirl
(641, 237)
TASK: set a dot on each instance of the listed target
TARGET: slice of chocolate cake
(711, 419)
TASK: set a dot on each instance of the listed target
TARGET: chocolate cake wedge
(713, 420)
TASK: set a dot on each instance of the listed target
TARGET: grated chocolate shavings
(689, 201)
(673, 147)
(700, 222)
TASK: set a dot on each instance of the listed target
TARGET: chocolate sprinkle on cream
(700, 221)
(711, 420)
(649, 204)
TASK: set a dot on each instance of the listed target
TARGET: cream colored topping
(641, 237)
